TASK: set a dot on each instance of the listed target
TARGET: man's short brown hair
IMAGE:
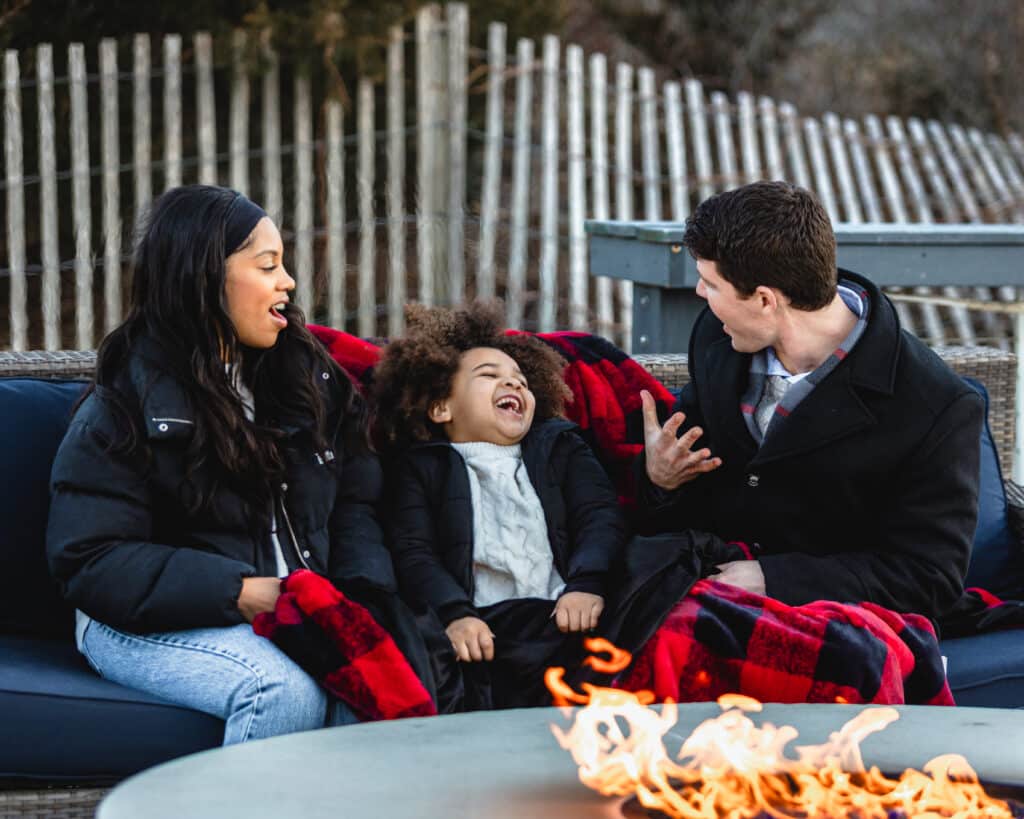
(768, 233)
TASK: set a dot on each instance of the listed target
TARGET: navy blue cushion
(63, 722)
(997, 560)
(35, 416)
(987, 669)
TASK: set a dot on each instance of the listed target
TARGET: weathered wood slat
(794, 145)
(273, 196)
(239, 109)
(427, 101)
(840, 161)
(172, 111)
(770, 139)
(649, 157)
(142, 124)
(110, 136)
(80, 205)
(862, 170)
(700, 142)
(367, 307)
(490, 193)
(397, 290)
(747, 120)
(578, 279)
(822, 176)
(675, 138)
(457, 17)
(547, 306)
(335, 179)
(728, 177)
(599, 180)
(624, 183)
(303, 270)
(206, 115)
(13, 162)
(48, 216)
(515, 291)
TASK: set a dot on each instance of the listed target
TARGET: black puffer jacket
(431, 517)
(126, 551)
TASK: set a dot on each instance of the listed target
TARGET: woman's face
(256, 287)
(490, 400)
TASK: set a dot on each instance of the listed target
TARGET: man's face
(746, 320)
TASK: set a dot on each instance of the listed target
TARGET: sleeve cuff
(455, 611)
(592, 583)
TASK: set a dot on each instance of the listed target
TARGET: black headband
(241, 217)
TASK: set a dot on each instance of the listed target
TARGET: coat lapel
(727, 375)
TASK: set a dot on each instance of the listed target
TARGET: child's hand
(471, 639)
(578, 611)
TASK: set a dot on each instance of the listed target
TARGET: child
(503, 524)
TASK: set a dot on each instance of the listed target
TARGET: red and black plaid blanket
(720, 639)
(340, 645)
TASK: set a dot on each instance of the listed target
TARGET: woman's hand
(259, 594)
(471, 639)
(578, 611)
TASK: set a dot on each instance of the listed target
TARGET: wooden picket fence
(491, 211)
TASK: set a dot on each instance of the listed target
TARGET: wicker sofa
(68, 734)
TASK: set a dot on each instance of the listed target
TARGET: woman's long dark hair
(177, 303)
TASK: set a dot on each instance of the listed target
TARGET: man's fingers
(461, 650)
(575, 617)
(562, 618)
(651, 425)
(475, 650)
(595, 614)
(672, 425)
(487, 646)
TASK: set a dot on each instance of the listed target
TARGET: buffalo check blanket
(720, 639)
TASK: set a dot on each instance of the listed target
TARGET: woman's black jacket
(127, 552)
(430, 517)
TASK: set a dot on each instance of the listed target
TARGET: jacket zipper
(291, 532)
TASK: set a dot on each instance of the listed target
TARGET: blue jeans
(229, 672)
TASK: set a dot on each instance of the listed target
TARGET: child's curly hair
(417, 370)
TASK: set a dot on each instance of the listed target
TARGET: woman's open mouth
(277, 313)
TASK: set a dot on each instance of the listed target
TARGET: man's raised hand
(670, 460)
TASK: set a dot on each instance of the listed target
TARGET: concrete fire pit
(502, 765)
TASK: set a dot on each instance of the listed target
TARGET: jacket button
(306, 553)
(162, 427)
(753, 480)
(325, 376)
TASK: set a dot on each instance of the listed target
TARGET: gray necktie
(775, 387)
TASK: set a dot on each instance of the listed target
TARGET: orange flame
(729, 767)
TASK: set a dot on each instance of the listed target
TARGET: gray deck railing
(664, 275)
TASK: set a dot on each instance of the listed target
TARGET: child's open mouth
(510, 403)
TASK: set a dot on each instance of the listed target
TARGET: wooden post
(578, 300)
(794, 145)
(599, 179)
(13, 162)
(458, 36)
(48, 199)
(206, 114)
(862, 169)
(273, 198)
(80, 204)
(367, 223)
(699, 133)
(395, 185)
(675, 137)
(110, 136)
(648, 98)
(770, 138)
(335, 172)
(624, 184)
(515, 295)
(748, 136)
(303, 271)
(238, 135)
(547, 308)
(822, 177)
(837, 150)
(427, 101)
(495, 135)
(172, 111)
(728, 178)
(142, 125)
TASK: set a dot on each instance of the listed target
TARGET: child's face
(489, 402)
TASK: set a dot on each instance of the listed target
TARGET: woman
(218, 449)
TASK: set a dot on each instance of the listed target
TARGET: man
(837, 446)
